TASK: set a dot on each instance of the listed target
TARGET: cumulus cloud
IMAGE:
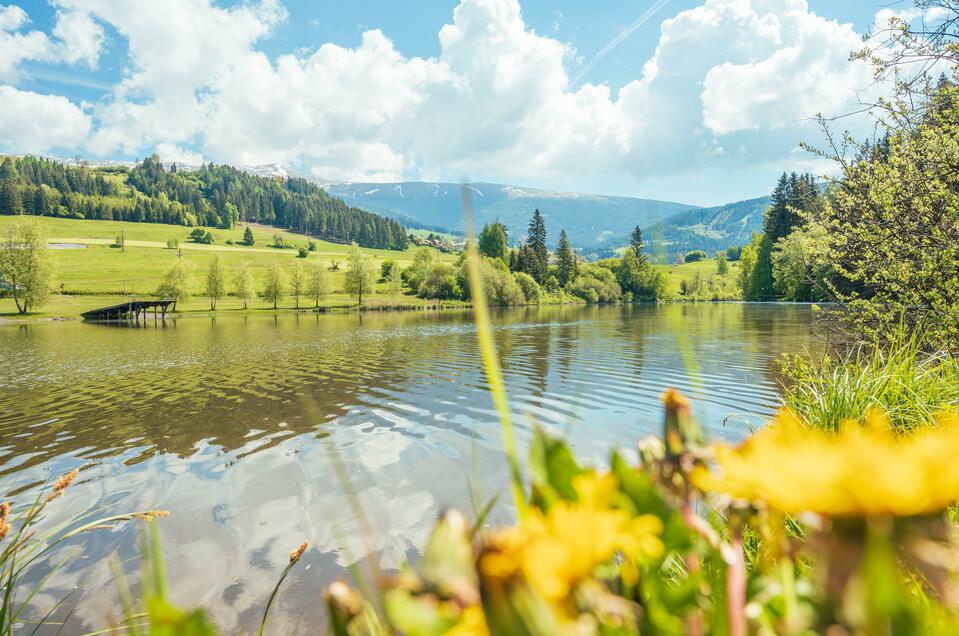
(177, 154)
(77, 39)
(497, 99)
(34, 123)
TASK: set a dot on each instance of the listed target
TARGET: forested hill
(709, 229)
(212, 196)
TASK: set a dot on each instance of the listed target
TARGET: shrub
(596, 285)
(694, 256)
(440, 282)
(531, 289)
(386, 270)
(199, 235)
(302, 252)
(311, 246)
(500, 287)
(414, 274)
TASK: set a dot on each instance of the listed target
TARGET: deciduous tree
(274, 284)
(215, 282)
(360, 275)
(25, 266)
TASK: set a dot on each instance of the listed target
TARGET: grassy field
(97, 274)
(676, 273)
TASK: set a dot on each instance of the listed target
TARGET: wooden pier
(131, 310)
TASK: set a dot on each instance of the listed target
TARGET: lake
(354, 430)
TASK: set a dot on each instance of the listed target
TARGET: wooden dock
(131, 311)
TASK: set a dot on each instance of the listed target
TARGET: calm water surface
(354, 431)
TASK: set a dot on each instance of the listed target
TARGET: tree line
(213, 196)
(530, 273)
(880, 240)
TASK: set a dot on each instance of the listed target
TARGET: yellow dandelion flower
(864, 470)
(555, 551)
(472, 623)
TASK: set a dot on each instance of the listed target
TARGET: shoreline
(425, 306)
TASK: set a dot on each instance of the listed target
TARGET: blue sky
(608, 143)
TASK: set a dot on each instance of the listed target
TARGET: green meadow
(98, 274)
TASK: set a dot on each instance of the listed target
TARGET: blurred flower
(864, 470)
(556, 550)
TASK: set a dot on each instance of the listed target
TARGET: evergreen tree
(536, 237)
(493, 241)
(248, 236)
(636, 241)
(10, 202)
(533, 257)
(565, 260)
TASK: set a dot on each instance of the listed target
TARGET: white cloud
(732, 82)
(175, 153)
(17, 47)
(77, 39)
(34, 123)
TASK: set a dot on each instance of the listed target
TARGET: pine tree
(534, 256)
(565, 260)
(10, 198)
(248, 236)
(536, 237)
(636, 241)
(493, 241)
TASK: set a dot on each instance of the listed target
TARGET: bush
(302, 252)
(500, 287)
(734, 253)
(596, 285)
(311, 246)
(531, 289)
(172, 243)
(199, 235)
(414, 274)
(694, 256)
(441, 282)
(386, 270)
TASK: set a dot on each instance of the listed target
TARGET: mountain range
(596, 224)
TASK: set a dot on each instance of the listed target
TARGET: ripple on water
(354, 431)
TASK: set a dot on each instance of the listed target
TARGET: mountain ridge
(596, 223)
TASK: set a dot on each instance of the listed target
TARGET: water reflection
(248, 428)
